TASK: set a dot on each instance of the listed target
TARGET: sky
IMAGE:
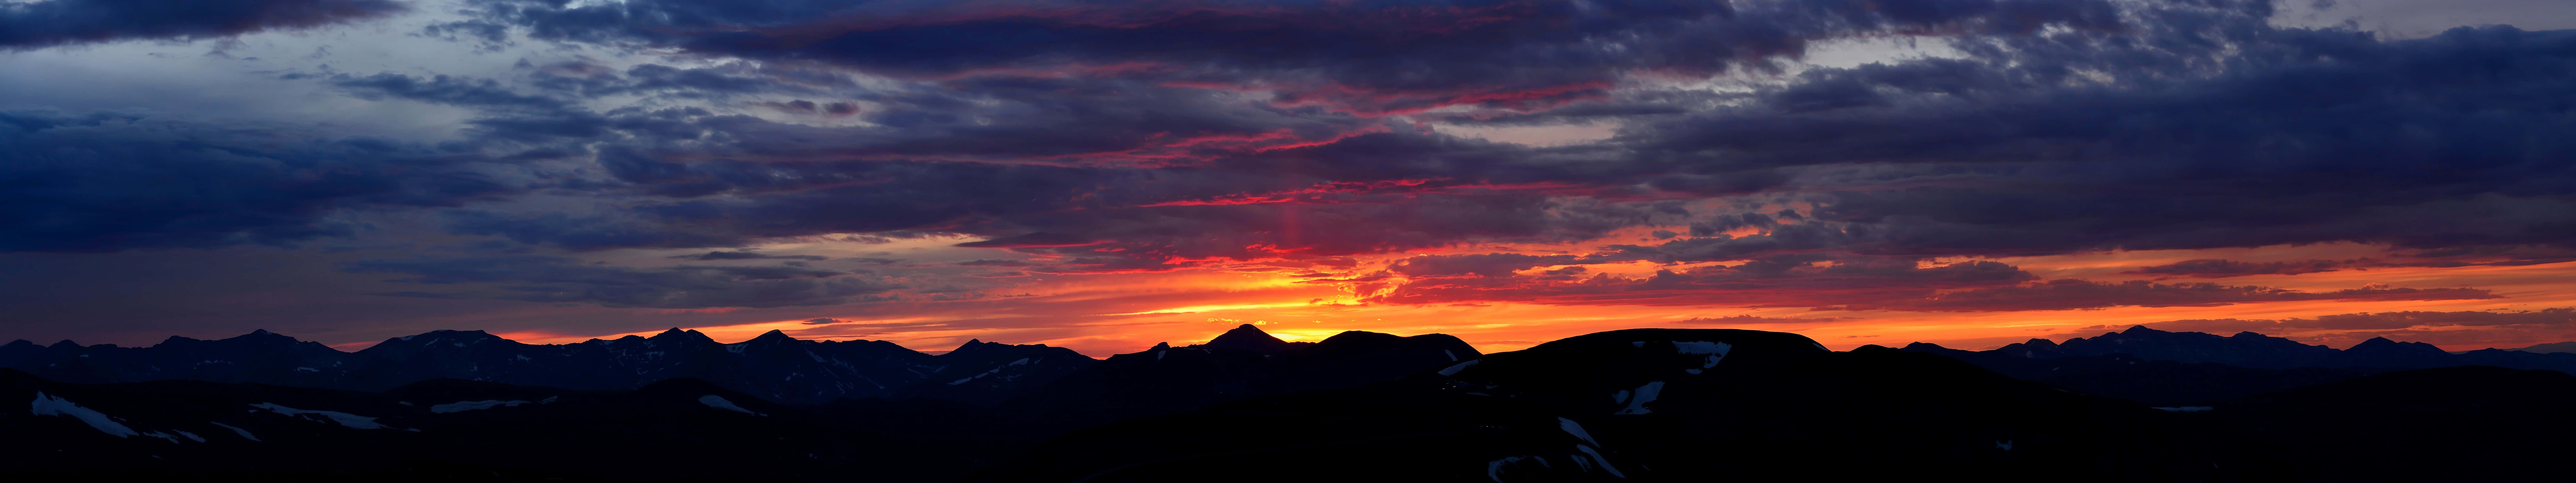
(1105, 175)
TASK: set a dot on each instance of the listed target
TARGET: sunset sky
(1105, 175)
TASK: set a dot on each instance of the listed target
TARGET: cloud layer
(695, 154)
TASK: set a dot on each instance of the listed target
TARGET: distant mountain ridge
(773, 365)
(2549, 347)
(2161, 367)
(2248, 349)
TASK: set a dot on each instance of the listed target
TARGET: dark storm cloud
(2192, 125)
(440, 89)
(48, 23)
(2236, 134)
(103, 182)
(559, 279)
(1365, 57)
(1124, 137)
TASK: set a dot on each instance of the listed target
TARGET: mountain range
(1629, 405)
(2189, 368)
(772, 366)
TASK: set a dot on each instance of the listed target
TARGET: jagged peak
(2141, 329)
(20, 342)
(1247, 337)
(971, 345)
(65, 343)
(678, 334)
(773, 336)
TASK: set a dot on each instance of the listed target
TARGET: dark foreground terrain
(1630, 405)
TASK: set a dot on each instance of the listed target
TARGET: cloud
(1785, 281)
(1487, 265)
(109, 181)
(1037, 239)
(2067, 294)
(50, 23)
(535, 278)
(1755, 319)
(1371, 57)
(2554, 317)
(749, 255)
(2214, 268)
(1829, 283)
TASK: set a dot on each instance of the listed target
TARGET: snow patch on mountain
(345, 419)
(1453, 370)
(245, 434)
(719, 402)
(1714, 351)
(1575, 429)
(461, 406)
(57, 406)
(1645, 394)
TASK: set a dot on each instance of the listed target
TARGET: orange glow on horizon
(1104, 314)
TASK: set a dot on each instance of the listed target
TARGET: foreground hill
(1645, 405)
(684, 427)
(1631, 405)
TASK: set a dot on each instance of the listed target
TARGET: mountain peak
(2140, 329)
(687, 336)
(970, 346)
(773, 336)
(1249, 338)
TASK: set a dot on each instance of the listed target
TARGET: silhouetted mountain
(677, 428)
(772, 366)
(1645, 404)
(1250, 339)
(2550, 348)
(987, 372)
(1241, 363)
(2381, 352)
(2245, 349)
(2182, 368)
(259, 356)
